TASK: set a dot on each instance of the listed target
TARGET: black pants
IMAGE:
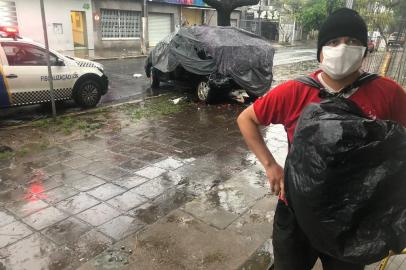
(292, 249)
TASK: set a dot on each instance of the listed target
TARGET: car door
(26, 73)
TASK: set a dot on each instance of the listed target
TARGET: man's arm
(249, 127)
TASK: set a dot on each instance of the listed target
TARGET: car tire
(204, 92)
(88, 93)
(154, 77)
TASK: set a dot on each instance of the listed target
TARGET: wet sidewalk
(179, 191)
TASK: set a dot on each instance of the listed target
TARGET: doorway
(79, 32)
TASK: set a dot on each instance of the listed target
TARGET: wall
(114, 44)
(128, 5)
(56, 12)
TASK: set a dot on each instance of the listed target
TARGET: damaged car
(213, 61)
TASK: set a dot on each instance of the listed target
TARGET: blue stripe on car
(4, 98)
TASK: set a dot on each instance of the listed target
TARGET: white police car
(24, 74)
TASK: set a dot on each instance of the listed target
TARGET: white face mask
(342, 60)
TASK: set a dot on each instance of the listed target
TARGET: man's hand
(249, 126)
(275, 176)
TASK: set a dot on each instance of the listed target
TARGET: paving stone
(169, 164)
(99, 214)
(121, 148)
(44, 218)
(86, 183)
(93, 167)
(127, 200)
(121, 227)
(257, 221)
(150, 156)
(150, 172)
(61, 157)
(153, 188)
(13, 232)
(100, 142)
(114, 158)
(211, 215)
(5, 218)
(77, 162)
(152, 211)
(33, 252)
(39, 162)
(66, 231)
(89, 245)
(130, 181)
(60, 193)
(132, 164)
(52, 182)
(173, 177)
(141, 153)
(55, 169)
(111, 173)
(106, 191)
(69, 175)
(77, 203)
(25, 208)
(195, 152)
(89, 150)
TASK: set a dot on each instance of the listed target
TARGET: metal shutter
(159, 26)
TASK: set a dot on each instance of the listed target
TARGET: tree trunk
(330, 6)
(225, 7)
(224, 17)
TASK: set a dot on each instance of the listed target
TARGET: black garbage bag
(346, 181)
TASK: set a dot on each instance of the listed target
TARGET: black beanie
(344, 22)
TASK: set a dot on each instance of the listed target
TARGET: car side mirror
(59, 62)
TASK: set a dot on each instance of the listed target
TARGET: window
(26, 55)
(120, 24)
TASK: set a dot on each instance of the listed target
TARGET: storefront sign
(183, 2)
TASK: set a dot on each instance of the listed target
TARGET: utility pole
(144, 25)
(259, 19)
(293, 30)
(50, 79)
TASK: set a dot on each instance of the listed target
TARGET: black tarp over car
(345, 177)
(229, 51)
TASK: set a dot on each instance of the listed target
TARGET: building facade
(105, 24)
(69, 23)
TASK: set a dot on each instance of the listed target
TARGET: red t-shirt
(381, 98)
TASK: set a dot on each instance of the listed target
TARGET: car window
(19, 54)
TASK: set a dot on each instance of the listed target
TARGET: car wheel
(203, 91)
(88, 93)
(154, 78)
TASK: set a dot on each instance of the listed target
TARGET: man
(341, 49)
